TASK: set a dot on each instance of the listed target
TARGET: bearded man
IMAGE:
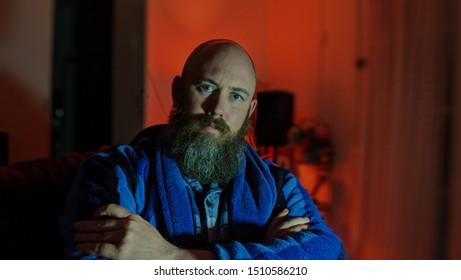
(195, 189)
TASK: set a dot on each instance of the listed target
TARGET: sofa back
(32, 197)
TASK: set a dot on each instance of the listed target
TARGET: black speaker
(274, 117)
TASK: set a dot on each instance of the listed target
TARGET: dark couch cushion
(32, 196)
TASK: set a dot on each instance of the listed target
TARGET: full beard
(200, 154)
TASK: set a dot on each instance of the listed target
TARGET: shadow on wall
(338, 213)
(20, 114)
(4, 18)
(21, 118)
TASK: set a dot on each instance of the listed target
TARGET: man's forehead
(227, 63)
(219, 53)
(227, 55)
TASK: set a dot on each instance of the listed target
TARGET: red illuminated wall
(25, 77)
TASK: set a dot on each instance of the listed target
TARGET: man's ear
(177, 90)
(253, 104)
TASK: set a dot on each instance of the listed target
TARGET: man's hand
(279, 227)
(117, 233)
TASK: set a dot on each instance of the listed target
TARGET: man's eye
(206, 88)
(236, 97)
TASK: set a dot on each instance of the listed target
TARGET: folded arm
(318, 241)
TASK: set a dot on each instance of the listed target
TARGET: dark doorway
(82, 75)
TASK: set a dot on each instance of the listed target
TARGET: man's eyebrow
(208, 81)
(242, 90)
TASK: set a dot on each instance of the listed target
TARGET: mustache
(202, 121)
(217, 123)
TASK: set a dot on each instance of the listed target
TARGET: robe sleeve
(117, 175)
(319, 242)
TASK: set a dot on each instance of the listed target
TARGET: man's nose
(216, 104)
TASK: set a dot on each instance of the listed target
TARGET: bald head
(209, 49)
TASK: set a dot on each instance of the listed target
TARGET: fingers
(111, 210)
(280, 226)
(290, 226)
(106, 218)
(106, 250)
(275, 223)
(102, 244)
(279, 218)
(279, 221)
(291, 230)
(96, 225)
(105, 237)
(281, 215)
(292, 222)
